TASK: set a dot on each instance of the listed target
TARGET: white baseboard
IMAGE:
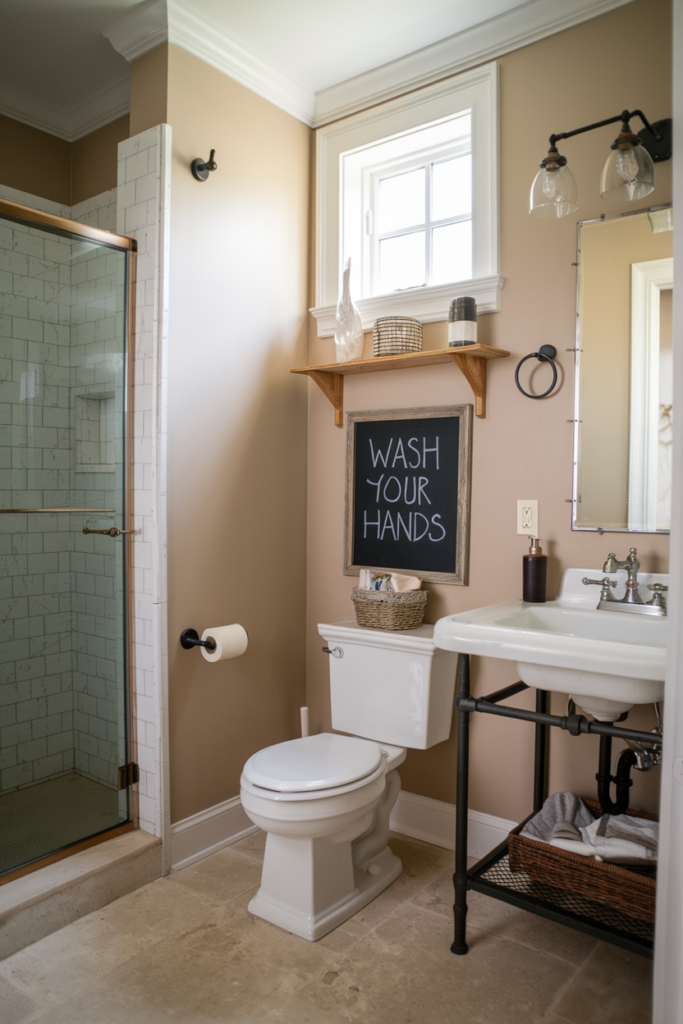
(420, 817)
(208, 832)
(433, 821)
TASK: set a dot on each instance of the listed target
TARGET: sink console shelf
(471, 359)
(492, 875)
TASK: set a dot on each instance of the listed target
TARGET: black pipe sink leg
(459, 946)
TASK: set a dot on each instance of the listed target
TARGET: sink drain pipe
(622, 779)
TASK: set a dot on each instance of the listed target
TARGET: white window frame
(476, 91)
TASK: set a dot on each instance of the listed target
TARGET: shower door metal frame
(17, 211)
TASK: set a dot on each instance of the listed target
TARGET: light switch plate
(527, 517)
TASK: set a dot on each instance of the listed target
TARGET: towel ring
(546, 354)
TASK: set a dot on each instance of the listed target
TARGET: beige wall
(94, 160)
(33, 161)
(523, 449)
(237, 425)
(607, 251)
(65, 172)
(149, 90)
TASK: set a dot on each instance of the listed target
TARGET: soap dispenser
(534, 574)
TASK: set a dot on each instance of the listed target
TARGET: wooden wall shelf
(471, 359)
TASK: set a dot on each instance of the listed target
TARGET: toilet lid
(323, 761)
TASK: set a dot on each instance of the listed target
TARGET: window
(416, 202)
(409, 192)
(424, 225)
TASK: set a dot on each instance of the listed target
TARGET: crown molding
(173, 21)
(524, 25)
(143, 29)
(206, 41)
(70, 125)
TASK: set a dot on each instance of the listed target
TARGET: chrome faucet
(632, 565)
(631, 601)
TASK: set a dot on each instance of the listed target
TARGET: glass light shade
(553, 193)
(628, 174)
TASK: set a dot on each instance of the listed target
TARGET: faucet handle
(658, 599)
(605, 583)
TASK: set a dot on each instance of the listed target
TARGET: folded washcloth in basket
(564, 821)
(618, 849)
(636, 830)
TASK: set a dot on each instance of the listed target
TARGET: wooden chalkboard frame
(459, 576)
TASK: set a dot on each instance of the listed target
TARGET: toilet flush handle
(335, 651)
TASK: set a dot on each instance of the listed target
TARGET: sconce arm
(625, 116)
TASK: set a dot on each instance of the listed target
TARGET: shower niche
(95, 431)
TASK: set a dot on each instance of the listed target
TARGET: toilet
(325, 800)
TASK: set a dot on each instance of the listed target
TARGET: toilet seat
(314, 765)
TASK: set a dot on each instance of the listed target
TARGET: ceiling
(60, 73)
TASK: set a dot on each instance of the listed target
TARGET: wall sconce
(628, 173)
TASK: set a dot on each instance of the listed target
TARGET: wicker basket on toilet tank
(389, 609)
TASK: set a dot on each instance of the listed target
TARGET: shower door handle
(113, 531)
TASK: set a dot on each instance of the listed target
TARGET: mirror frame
(577, 376)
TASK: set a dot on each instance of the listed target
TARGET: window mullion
(458, 219)
(400, 231)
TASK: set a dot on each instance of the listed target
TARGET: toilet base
(313, 926)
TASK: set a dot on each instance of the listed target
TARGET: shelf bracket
(332, 386)
(474, 369)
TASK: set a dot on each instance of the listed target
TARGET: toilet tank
(395, 687)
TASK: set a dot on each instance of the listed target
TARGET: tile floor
(185, 949)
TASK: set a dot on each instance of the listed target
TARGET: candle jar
(462, 321)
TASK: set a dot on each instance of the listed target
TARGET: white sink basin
(606, 660)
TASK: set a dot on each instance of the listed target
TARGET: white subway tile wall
(98, 212)
(143, 212)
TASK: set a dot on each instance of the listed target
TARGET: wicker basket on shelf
(389, 609)
(395, 335)
(616, 885)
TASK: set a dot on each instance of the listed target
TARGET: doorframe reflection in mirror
(648, 280)
(576, 497)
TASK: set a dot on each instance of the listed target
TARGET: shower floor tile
(43, 818)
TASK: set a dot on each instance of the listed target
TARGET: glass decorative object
(348, 334)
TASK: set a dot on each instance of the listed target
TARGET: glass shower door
(63, 611)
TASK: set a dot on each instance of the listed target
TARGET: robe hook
(200, 169)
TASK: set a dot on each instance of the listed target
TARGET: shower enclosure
(66, 743)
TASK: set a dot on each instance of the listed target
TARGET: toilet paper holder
(189, 638)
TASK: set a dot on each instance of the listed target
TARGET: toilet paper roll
(230, 641)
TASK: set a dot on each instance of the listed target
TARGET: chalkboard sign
(408, 492)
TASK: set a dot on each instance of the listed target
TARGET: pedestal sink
(606, 660)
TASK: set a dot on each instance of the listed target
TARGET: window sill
(425, 304)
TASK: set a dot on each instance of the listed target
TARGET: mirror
(623, 405)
